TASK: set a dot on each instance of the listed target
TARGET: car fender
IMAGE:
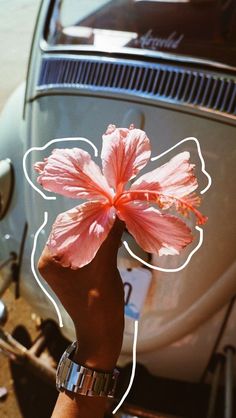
(12, 133)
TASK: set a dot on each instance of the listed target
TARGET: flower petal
(78, 233)
(124, 153)
(171, 184)
(175, 178)
(72, 173)
(154, 232)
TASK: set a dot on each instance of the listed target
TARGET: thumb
(110, 246)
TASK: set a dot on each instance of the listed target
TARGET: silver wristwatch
(82, 380)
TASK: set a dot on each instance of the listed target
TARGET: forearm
(77, 406)
(94, 298)
(100, 354)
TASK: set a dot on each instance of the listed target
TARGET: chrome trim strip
(125, 51)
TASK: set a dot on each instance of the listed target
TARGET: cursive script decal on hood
(148, 41)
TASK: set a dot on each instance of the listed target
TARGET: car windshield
(172, 25)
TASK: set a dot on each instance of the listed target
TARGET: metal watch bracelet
(82, 380)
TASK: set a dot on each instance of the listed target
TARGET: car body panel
(183, 311)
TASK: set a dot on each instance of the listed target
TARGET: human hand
(94, 298)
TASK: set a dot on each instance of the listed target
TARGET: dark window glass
(204, 28)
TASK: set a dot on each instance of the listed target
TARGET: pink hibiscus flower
(78, 233)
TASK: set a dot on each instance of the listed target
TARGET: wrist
(99, 360)
(100, 348)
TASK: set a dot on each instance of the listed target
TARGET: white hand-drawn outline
(133, 367)
(132, 254)
(163, 269)
(34, 272)
(46, 213)
(124, 242)
(191, 138)
(44, 147)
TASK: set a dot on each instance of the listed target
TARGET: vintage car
(168, 67)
